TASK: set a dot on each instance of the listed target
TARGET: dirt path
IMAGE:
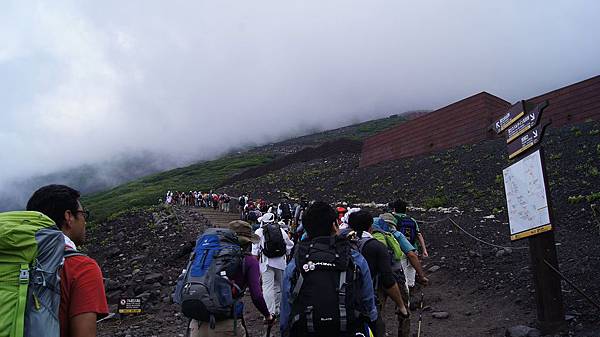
(471, 313)
(483, 294)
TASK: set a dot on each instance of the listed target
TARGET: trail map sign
(529, 214)
(526, 197)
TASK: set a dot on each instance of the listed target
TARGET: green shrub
(555, 156)
(575, 199)
(593, 197)
(435, 201)
(499, 179)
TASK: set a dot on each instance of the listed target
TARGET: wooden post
(548, 292)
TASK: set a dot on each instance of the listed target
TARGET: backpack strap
(23, 286)
(297, 288)
(342, 302)
(362, 242)
(72, 252)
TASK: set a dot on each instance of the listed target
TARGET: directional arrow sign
(526, 141)
(515, 112)
(529, 120)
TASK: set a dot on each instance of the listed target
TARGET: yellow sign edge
(518, 134)
(130, 311)
(510, 122)
(521, 150)
(531, 232)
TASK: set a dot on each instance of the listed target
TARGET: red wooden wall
(463, 122)
(468, 121)
(575, 103)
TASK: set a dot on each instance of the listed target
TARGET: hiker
(385, 282)
(271, 250)
(226, 201)
(410, 228)
(297, 226)
(325, 271)
(215, 201)
(247, 277)
(241, 205)
(284, 210)
(341, 211)
(82, 296)
(207, 199)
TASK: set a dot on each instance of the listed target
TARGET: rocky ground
(484, 289)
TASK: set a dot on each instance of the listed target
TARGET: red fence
(468, 121)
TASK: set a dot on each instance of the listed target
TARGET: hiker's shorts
(409, 272)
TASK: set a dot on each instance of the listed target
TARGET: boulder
(522, 331)
(440, 315)
(152, 278)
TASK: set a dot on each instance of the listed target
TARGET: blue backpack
(206, 290)
(407, 226)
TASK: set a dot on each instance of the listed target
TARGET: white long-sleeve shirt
(274, 262)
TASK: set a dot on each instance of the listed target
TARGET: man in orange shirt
(82, 300)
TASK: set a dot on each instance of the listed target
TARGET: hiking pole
(420, 314)
(269, 327)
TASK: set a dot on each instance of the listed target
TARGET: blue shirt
(365, 296)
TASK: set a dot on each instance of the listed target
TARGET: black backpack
(252, 216)
(286, 213)
(242, 201)
(324, 287)
(274, 243)
(206, 291)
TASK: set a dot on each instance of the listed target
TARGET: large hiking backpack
(253, 215)
(324, 287)
(394, 250)
(274, 245)
(286, 212)
(390, 242)
(206, 291)
(407, 226)
(32, 252)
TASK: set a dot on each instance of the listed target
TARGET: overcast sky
(82, 81)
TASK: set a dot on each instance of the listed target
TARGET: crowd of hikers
(317, 269)
(199, 199)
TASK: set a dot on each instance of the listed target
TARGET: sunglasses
(86, 213)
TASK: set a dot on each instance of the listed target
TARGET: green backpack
(32, 252)
(389, 241)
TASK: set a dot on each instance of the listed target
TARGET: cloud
(84, 82)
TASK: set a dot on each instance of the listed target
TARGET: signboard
(525, 141)
(130, 306)
(515, 112)
(528, 212)
(529, 120)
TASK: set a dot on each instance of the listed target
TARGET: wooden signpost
(530, 207)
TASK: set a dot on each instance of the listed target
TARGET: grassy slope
(204, 176)
(146, 191)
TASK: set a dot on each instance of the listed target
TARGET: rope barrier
(572, 284)
(482, 241)
(431, 221)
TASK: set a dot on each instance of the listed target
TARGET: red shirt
(81, 290)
